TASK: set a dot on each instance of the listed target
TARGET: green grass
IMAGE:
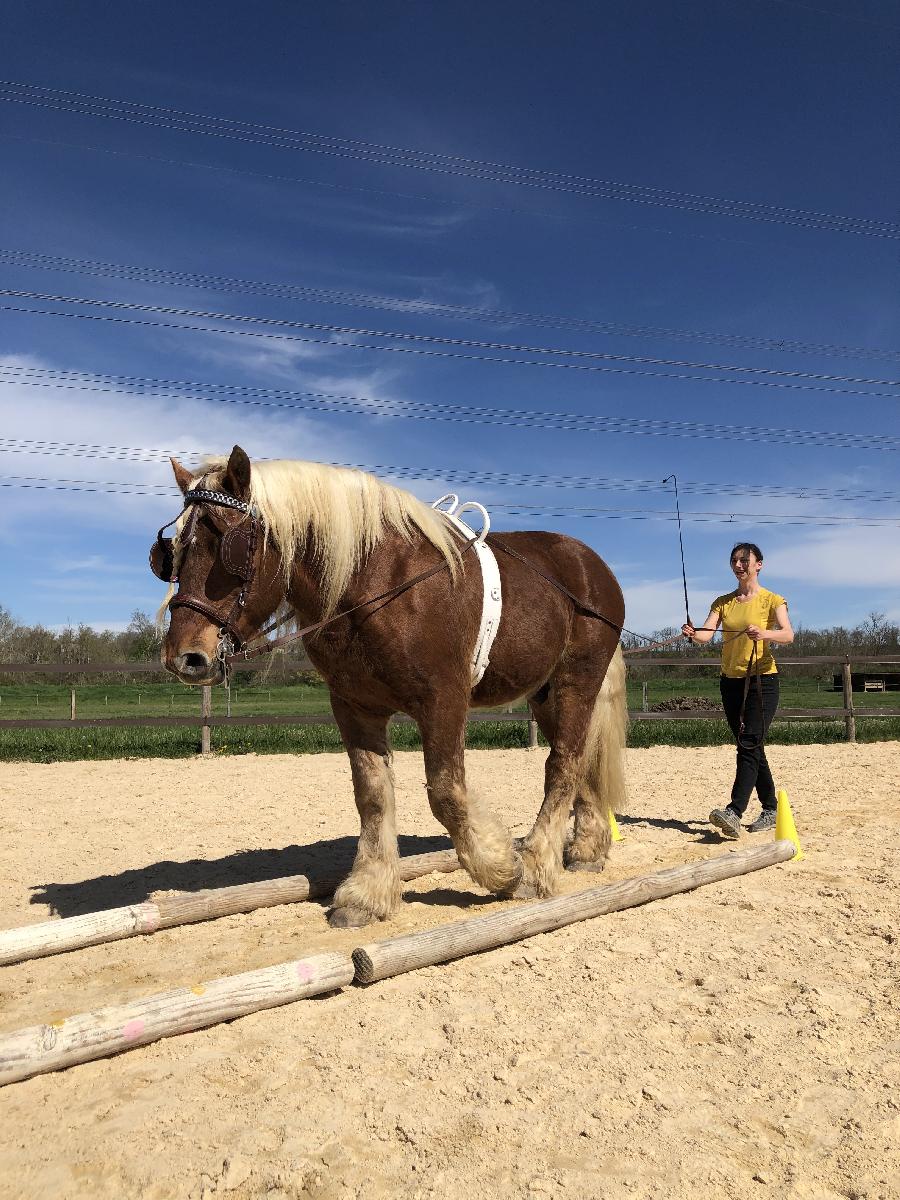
(67, 745)
(60, 745)
(157, 699)
(23, 700)
(794, 692)
(162, 698)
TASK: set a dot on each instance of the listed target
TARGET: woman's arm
(711, 624)
(784, 634)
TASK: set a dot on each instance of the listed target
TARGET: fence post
(644, 697)
(205, 711)
(532, 734)
(72, 705)
(849, 717)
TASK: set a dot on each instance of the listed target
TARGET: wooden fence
(205, 720)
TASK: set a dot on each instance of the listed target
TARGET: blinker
(162, 559)
(236, 548)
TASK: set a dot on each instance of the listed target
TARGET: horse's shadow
(327, 859)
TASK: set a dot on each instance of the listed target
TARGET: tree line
(875, 635)
(139, 642)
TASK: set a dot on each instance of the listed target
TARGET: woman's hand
(755, 633)
(688, 630)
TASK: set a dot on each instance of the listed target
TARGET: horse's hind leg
(601, 787)
(588, 847)
(563, 718)
(372, 889)
(483, 844)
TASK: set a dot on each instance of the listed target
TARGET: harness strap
(580, 605)
(277, 643)
(206, 609)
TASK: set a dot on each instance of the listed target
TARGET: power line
(123, 487)
(457, 475)
(285, 291)
(358, 189)
(286, 400)
(500, 350)
(374, 153)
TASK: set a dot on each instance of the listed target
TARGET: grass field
(24, 700)
(18, 701)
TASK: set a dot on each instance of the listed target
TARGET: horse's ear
(237, 474)
(183, 476)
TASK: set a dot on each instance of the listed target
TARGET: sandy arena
(739, 1040)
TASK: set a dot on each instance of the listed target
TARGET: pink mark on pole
(305, 973)
(132, 1030)
(146, 917)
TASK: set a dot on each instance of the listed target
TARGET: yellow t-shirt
(735, 616)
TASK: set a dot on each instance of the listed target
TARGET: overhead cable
(381, 154)
(124, 487)
(501, 350)
(465, 475)
(421, 307)
(284, 399)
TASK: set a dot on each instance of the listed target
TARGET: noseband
(237, 551)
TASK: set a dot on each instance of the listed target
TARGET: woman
(751, 617)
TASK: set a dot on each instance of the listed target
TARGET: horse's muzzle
(196, 667)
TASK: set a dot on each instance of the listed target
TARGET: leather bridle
(237, 553)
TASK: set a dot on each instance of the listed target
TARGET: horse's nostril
(194, 663)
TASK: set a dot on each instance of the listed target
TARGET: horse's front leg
(483, 844)
(371, 892)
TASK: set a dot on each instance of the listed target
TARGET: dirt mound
(685, 704)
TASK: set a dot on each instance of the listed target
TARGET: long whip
(687, 614)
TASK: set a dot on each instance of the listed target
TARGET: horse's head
(228, 578)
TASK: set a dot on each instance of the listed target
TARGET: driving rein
(237, 552)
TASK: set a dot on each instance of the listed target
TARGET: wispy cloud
(656, 604)
(94, 565)
(847, 558)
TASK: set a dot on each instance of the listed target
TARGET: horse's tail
(603, 764)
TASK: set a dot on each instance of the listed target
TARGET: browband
(222, 499)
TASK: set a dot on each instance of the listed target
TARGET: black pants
(752, 767)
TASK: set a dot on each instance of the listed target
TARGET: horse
(395, 597)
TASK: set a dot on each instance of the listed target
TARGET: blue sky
(614, 131)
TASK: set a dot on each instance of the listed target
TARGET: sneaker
(726, 821)
(765, 820)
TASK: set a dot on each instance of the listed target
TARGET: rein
(238, 552)
(277, 643)
(580, 606)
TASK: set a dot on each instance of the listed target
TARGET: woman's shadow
(325, 860)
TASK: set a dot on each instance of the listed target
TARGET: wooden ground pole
(379, 960)
(165, 910)
(109, 1031)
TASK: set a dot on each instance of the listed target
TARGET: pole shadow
(317, 860)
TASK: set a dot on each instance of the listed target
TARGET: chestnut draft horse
(305, 542)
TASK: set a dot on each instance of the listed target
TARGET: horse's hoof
(348, 918)
(577, 865)
(524, 891)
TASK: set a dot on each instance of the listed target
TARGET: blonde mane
(339, 513)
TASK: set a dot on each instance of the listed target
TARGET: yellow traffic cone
(784, 824)
(614, 828)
